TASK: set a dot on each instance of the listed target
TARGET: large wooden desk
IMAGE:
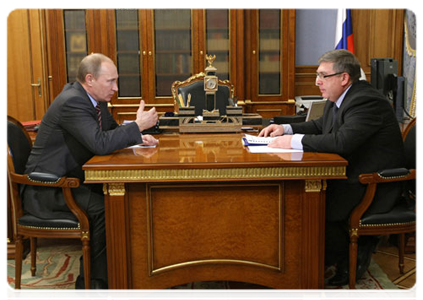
(201, 208)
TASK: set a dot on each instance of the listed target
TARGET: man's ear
(345, 79)
(89, 79)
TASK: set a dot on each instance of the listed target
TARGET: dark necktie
(334, 111)
(97, 108)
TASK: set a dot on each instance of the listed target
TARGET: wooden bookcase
(154, 48)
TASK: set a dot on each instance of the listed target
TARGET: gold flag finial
(210, 59)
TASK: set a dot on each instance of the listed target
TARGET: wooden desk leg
(314, 234)
(116, 235)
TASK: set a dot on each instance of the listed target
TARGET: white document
(266, 149)
(253, 140)
(141, 146)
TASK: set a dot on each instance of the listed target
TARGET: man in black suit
(71, 132)
(359, 124)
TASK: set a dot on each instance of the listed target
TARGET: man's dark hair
(343, 61)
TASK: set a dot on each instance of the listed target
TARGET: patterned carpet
(58, 267)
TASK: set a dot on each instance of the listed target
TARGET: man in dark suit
(71, 132)
(359, 124)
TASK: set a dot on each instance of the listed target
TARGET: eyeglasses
(322, 77)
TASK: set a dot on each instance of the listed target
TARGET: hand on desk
(149, 140)
(272, 130)
(282, 141)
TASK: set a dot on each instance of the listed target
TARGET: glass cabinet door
(173, 48)
(269, 70)
(217, 40)
(128, 53)
(75, 41)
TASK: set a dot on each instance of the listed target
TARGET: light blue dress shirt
(92, 100)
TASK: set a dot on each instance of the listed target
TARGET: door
(27, 92)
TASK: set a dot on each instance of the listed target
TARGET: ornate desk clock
(211, 84)
(211, 120)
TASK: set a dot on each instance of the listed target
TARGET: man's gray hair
(343, 61)
(91, 64)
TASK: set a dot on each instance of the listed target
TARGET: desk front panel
(201, 208)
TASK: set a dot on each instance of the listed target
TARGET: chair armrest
(43, 177)
(388, 175)
(394, 173)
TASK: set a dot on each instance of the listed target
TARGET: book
(252, 140)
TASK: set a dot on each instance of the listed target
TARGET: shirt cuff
(287, 129)
(296, 141)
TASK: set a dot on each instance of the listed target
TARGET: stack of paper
(258, 144)
(251, 140)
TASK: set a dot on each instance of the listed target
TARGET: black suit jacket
(68, 136)
(366, 133)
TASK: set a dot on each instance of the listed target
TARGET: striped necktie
(97, 108)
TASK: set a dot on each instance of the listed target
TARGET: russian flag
(344, 32)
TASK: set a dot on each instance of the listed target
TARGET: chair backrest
(409, 137)
(19, 143)
(195, 86)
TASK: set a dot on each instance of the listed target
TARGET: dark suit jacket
(68, 136)
(366, 133)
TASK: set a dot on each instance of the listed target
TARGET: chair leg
(353, 261)
(18, 261)
(87, 262)
(33, 242)
(401, 250)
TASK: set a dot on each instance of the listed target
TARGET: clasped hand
(282, 141)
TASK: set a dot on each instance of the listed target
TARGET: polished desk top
(208, 156)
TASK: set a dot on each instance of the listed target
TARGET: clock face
(211, 83)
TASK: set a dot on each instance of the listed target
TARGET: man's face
(105, 86)
(331, 87)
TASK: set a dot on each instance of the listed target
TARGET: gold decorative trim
(385, 224)
(85, 235)
(409, 49)
(412, 53)
(353, 232)
(199, 76)
(50, 228)
(415, 98)
(213, 261)
(191, 174)
(325, 185)
(313, 186)
(116, 189)
(105, 190)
